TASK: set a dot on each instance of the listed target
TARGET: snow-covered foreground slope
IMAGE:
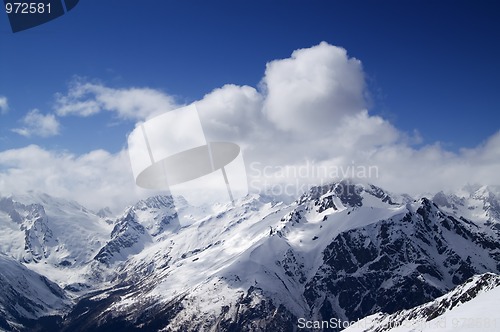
(341, 251)
(472, 306)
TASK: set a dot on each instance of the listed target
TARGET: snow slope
(472, 306)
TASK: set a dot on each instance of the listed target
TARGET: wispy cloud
(85, 99)
(38, 124)
(4, 105)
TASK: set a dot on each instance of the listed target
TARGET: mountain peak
(349, 192)
(156, 202)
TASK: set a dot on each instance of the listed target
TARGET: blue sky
(431, 67)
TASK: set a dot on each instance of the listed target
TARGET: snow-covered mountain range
(343, 251)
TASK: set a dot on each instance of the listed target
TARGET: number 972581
(27, 8)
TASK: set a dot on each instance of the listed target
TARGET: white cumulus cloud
(313, 89)
(311, 111)
(308, 114)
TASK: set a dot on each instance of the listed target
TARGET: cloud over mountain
(308, 108)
